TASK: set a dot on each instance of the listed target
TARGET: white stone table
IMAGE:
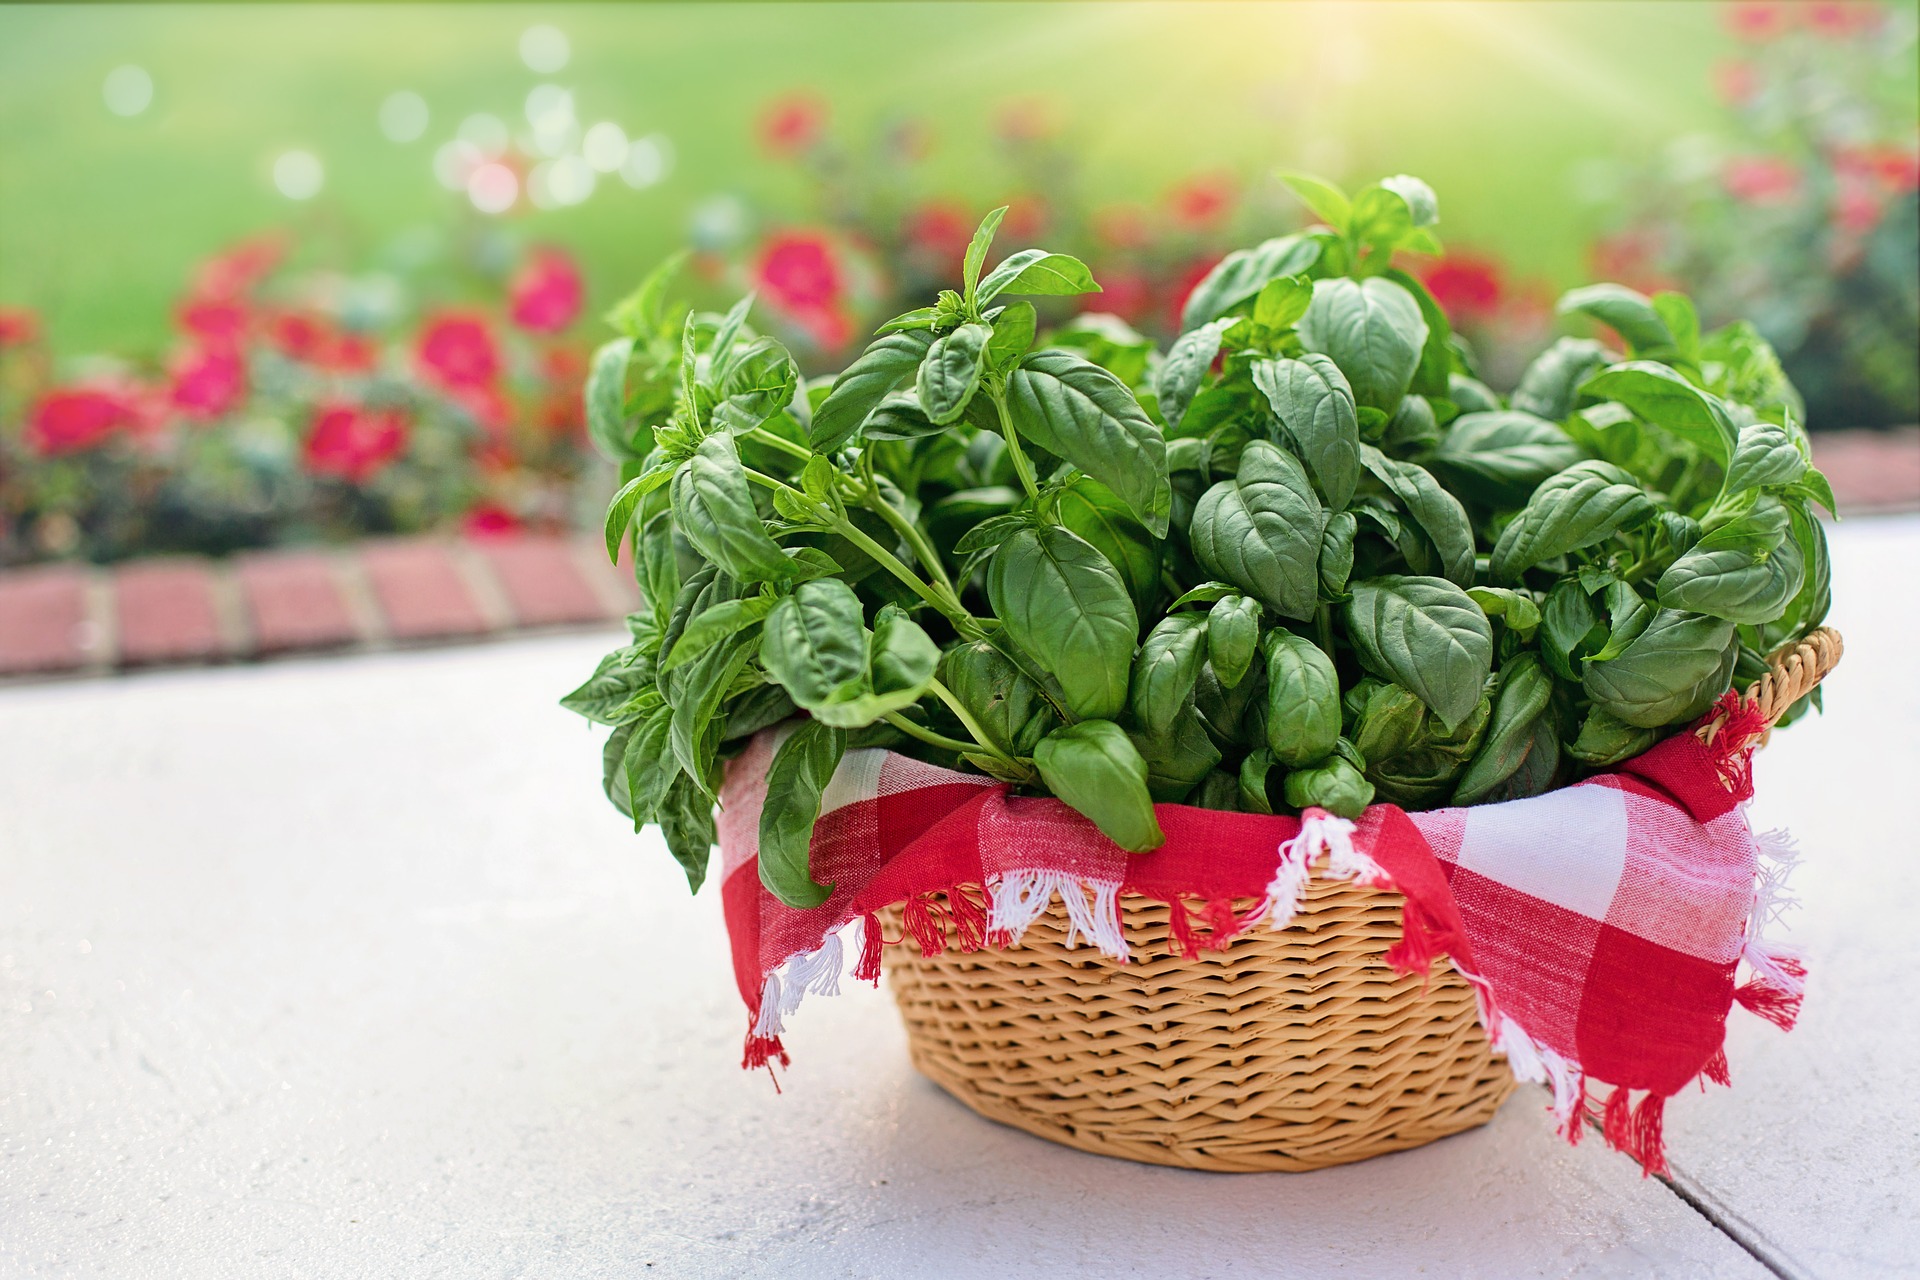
(344, 968)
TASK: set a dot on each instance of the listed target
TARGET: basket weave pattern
(1287, 1050)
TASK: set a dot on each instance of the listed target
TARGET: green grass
(1495, 103)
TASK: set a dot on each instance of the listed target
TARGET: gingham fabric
(1602, 925)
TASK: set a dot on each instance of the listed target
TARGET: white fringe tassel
(1779, 855)
(816, 972)
(1021, 896)
(1320, 834)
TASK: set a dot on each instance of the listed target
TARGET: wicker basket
(1287, 1050)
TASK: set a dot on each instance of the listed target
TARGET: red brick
(293, 601)
(43, 620)
(165, 613)
(1871, 470)
(420, 591)
(542, 581)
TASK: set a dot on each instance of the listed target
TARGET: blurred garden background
(288, 275)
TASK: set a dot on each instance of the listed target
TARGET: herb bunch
(1301, 558)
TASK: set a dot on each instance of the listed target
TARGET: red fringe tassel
(1637, 1131)
(1718, 1070)
(868, 967)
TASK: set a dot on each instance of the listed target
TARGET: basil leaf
(1067, 609)
(1280, 303)
(1092, 510)
(1499, 458)
(1253, 782)
(1548, 387)
(1261, 531)
(686, 822)
(714, 625)
(950, 372)
(1327, 202)
(1587, 503)
(620, 510)
(1470, 395)
(1567, 625)
(1373, 330)
(1426, 634)
(1097, 770)
(1672, 672)
(1664, 398)
(1413, 428)
(1184, 369)
(879, 371)
(1336, 552)
(702, 686)
(977, 250)
(1764, 454)
(1315, 405)
(1303, 699)
(1078, 411)
(1177, 759)
(613, 777)
(713, 509)
(1521, 751)
(648, 766)
(1746, 571)
(1517, 608)
(619, 676)
(606, 401)
(1000, 697)
(1165, 669)
(1627, 312)
(815, 644)
(802, 766)
(1437, 512)
(1434, 374)
(1605, 739)
(1012, 335)
(1233, 633)
(1036, 273)
(1243, 273)
(1332, 784)
(918, 318)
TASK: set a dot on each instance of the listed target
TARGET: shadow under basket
(1288, 1050)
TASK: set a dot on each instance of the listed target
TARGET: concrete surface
(344, 968)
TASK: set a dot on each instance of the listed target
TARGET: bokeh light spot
(403, 116)
(544, 48)
(298, 175)
(487, 132)
(570, 180)
(648, 161)
(128, 90)
(605, 146)
(493, 188)
(455, 162)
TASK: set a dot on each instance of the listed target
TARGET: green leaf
(977, 250)
(1177, 759)
(814, 644)
(620, 510)
(1470, 395)
(686, 822)
(1067, 609)
(1682, 321)
(1548, 387)
(1243, 273)
(1303, 699)
(1253, 782)
(1205, 593)
(1280, 303)
(702, 685)
(1664, 398)
(713, 509)
(1765, 454)
(1233, 633)
(1522, 615)
(1316, 408)
(1373, 330)
(918, 318)
(714, 625)
(1499, 458)
(1261, 531)
(606, 397)
(1185, 368)
(1434, 375)
(1336, 553)
(758, 382)
(1001, 698)
(1165, 669)
(642, 314)
(1747, 570)
(1097, 770)
(1427, 635)
(1332, 784)
(619, 676)
(950, 373)
(1437, 512)
(1036, 273)
(879, 371)
(1671, 673)
(1625, 311)
(802, 766)
(1078, 411)
(649, 767)
(1093, 511)
(1521, 751)
(1012, 336)
(1327, 202)
(1587, 503)
(1605, 739)
(1422, 205)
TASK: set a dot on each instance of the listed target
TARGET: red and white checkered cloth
(1602, 925)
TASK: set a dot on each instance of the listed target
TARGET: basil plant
(1303, 557)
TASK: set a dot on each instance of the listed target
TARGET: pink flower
(215, 321)
(1838, 19)
(316, 340)
(484, 404)
(1201, 201)
(490, 520)
(1466, 285)
(354, 443)
(207, 382)
(940, 229)
(71, 419)
(1735, 81)
(19, 327)
(1757, 20)
(457, 351)
(547, 293)
(1761, 180)
(793, 123)
(798, 272)
(237, 271)
(1856, 209)
(1124, 291)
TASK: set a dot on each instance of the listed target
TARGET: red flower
(1201, 201)
(1757, 20)
(1735, 81)
(207, 382)
(940, 229)
(485, 405)
(314, 339)
(353, 442)
(19, 327)
(458, 351)
(1184, 286)
(1839, 19)
(1856, 209)
(490, 520)
(1894, 168)
(216, 322)
(793, 123)
(1466, 285)
(1124, 291)
(799, 273)
(1761, 180)
(547, 293)
(76, 418)
(239, 269)
(563, 364)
